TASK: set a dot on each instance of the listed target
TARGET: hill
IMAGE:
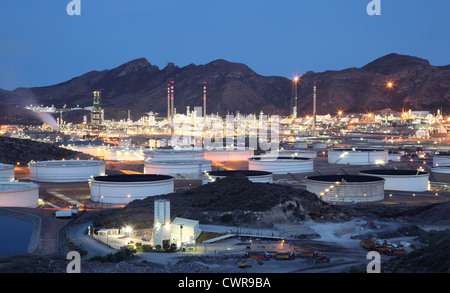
(13, 150)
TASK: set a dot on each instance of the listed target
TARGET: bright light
(389, 84)
(127, 229)
(296, 78)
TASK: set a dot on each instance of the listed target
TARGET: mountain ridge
(142, 87)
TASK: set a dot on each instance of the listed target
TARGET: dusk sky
(40, 44)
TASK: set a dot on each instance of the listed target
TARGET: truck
(306, 254)
(285, 255)
(367, 244)
(257, 254)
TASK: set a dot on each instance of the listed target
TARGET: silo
(281, 165)
(401, 180)
(346, 188)
(6, 173)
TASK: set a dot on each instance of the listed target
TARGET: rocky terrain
(13, 150)
(142, 87)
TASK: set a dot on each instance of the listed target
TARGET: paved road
(93, 248)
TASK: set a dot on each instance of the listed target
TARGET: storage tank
(179, 169)
(298, 153)
(319, 145)
(357, 156)
(440, 174)
(441, 159)
(346, 188)
(401, 180)
(124, 154)
(228, 155)
(19, 194)
(281, 165)
(6, 173)
(61, 171)
(254, 176)
(122, 189)
(173, 154)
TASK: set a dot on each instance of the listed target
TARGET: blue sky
(41, 45)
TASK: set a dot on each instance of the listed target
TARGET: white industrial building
(358, 156)
(346, 188)
(254, 176)
(122, 189)
(19, 194)
(62, 171)
(6, 173)
(281, 165)
(401, 180)
(184, 231)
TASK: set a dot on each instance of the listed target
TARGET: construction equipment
(257, 254)
(321, 259)
(285, 255)
(306, 254)
(367, 244)
(245, 263)
(395, 251)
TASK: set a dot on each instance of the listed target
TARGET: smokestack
(168, 101)
(314, 106)
(204, 99)
(171, 99)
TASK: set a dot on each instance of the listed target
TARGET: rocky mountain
(142, 87)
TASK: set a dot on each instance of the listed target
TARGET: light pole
(181, 235)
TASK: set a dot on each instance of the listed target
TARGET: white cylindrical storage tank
(281, 165)
(346, 188)
(19, 194)
(300, 145)
(179, 169)
(319, 145)
(441, 159)
(122, 189)
(228, 155)
(440, 174)
(124, 154)
(357, 156)
(254, 176)
(62, 171)
(6, 173)
(298, 153)
(401, 180)
(173, 155)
